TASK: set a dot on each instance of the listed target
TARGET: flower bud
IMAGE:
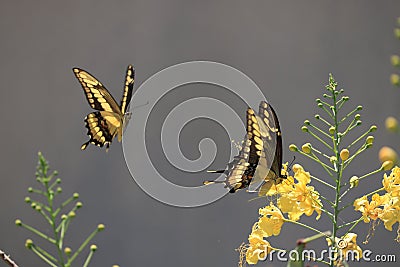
(373, 128)
(354, 181)
(344, 154)
(67, 251)
(397, 33)
(304, 129)
(395, 60)
(18, 222)
(391, 124)
(100, 227)
(333, 159)
(93, 247)
(293, 148)
(395, 79)
(369, 140)
(306, 148)
(387, 154)
(332, 130)
(28, 243)
(387, 165)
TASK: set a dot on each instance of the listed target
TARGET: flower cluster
(296, 198)
(383, 207)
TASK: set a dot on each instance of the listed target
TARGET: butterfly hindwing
(241, 169)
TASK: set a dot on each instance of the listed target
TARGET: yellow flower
(305, 195)
(391, 213)
(258, 247)
(271, 220)
(345, 244)
(291, 207)
(391, 183)
(370, 210)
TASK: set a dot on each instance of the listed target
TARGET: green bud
(395, 60)
(373, 128)
(357, 116)
(93, 248)
(397, 33)
(320, 105)
(28, 243)
(369, 140)
(67, 251)
(306, 148)
(395, 79)
(304, 129)
(354, 181)
(79, 205)
(27, 199)
(75, 195)
(307, 122)
(30, 189)
(317, 116)
(18, 222)
(100, 227)
(332, 130)
(333, 159)
(359, 107)
(59, 189)
(358, 123)
(293, 148)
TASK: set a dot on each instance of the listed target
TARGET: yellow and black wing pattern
(272, 148)
(241, 169)
(109, 119)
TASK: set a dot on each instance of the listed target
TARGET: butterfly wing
(97, 95)
(128, 89)
(241, 169)
(102, 127)
(272, 162)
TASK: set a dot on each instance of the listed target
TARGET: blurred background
(287, 47)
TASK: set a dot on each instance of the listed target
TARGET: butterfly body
(110, 119)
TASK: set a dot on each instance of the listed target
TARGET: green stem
(42, 256)
(307, 226)
(37, 232)
(82, 246)
(322, 182)
(89, 257)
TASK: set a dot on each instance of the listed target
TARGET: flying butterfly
(260, 157)
(110, 118)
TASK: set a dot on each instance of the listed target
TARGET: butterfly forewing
(97, 95)
(272, 148)
(128, 89)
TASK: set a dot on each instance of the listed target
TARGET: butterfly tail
(84, 146)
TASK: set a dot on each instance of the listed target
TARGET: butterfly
(110, 118)
(260, 157)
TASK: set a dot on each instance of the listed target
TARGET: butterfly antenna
(142, 105)
(218, 171)
(290, 165)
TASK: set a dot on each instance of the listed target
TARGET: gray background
(287, 47)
